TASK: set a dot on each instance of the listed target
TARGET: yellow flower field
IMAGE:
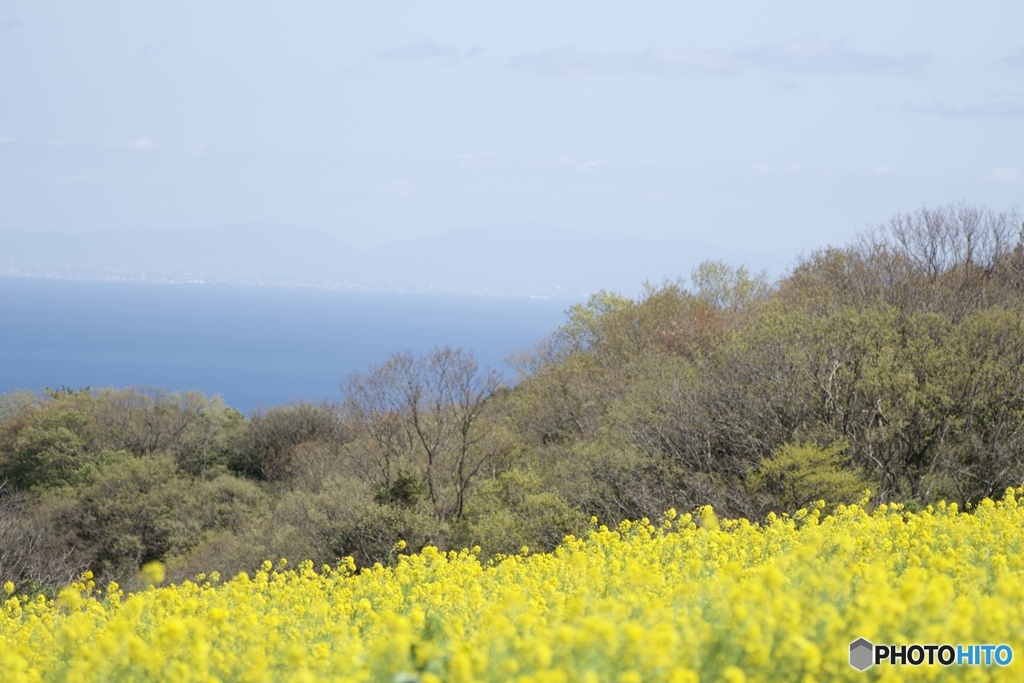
(682, 600)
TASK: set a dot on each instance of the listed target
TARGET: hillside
(894, 365)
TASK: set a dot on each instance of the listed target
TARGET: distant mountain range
(509, 260)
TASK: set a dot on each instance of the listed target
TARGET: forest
(894, 364)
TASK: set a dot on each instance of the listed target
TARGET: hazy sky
(774, 126)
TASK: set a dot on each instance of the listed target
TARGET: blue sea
(252, 346)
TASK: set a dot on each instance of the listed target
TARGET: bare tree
(956, 235)
(33, 548)
(958, 256)
(420, 420)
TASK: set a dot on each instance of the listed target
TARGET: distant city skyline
(773, 128)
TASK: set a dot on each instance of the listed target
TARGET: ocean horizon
(253, 346)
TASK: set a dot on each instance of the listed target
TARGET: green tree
(51, 452)
(795, 476)
(514, 510)
(267, 448)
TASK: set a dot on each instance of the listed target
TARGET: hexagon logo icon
(862, 654)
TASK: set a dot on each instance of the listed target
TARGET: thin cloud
(156, 48)
(399, 188)
(1008, 175)
(815, 57)
(73, 179)
(762, 169)
(4, 139)
(883, 171)
(476, 161)
(985, 111)
(827, 58)
(569, 61)
(470, 53)
(143, 144)
(11, 24)
(1016, 59)
(431, 51)
(558, 162)
(568, 162)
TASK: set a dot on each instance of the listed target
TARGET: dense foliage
(692, 599)
(895, 364)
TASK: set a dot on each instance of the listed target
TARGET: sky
(776, 127)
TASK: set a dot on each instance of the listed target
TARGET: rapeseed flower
(691, 598)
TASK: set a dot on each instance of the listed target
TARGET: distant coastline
(258, 283)
(251, 345)
(528, 260)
